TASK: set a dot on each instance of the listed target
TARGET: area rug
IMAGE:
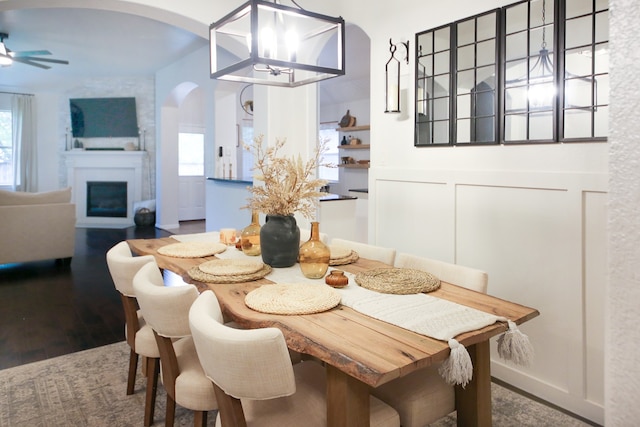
(88, 389)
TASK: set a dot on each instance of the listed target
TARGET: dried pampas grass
(290, 184)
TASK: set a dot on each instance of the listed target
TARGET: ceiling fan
(30, 57)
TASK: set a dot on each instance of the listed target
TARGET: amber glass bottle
(314, 255)
(250, 236)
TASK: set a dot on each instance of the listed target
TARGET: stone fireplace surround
(104, 165)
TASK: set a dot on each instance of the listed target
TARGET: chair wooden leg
(171, 412)
(152, 369)
(131, 380)
(200, 418)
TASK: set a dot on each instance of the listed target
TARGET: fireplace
(105, 186)
(107, 199)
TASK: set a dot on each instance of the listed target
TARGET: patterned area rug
(88, 389)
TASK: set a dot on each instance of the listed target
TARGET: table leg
(473, 403)
(347, 400)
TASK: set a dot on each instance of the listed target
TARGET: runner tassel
(457, 369)
(515, 346)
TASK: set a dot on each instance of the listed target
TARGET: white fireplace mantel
(104, 165)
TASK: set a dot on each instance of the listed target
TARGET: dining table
(360, 352)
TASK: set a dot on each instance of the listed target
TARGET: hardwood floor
(47, 310)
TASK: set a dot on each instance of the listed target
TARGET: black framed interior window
(476, 101)
(535, 71)
(529, 72)
(586, 63)
(433, 87)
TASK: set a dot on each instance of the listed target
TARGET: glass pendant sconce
(392, 78)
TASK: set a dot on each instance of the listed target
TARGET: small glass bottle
(250, 236)
(314, 255)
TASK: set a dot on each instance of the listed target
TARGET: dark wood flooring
(48, 310)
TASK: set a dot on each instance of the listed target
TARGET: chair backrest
(165, 309)
(460, 275)
(378, 253)
(244, 363)
(123, 266)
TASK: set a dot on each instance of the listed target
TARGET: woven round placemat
(231, 267)
(199, 275)
(338, 251)
(352, 257)
(192, 249)
(398, 280)
(292, 298)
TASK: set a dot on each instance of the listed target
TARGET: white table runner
(420, 313)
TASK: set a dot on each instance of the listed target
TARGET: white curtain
(25, 165)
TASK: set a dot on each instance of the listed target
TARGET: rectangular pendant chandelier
(267, 43)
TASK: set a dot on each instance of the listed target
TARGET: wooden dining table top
(372, 351)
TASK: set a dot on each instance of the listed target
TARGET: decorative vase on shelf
(314, 255)
(280, 241)
(250, 236)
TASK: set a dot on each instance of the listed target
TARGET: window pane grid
(586, 83)
(433, 86)
(567, 99)
(475, 102)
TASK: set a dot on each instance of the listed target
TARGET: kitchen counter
(359, 190)
(232, 180)
(333, 197)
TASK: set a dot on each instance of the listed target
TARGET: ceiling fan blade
(24, 53)
(29, 62)
(55, 61)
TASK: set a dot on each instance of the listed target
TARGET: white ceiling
(100, 43)
(96, 43)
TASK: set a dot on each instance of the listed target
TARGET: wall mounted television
(103, 117)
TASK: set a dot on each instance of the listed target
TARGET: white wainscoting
(541, 236)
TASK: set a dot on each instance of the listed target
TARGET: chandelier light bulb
(292, 41)
(268, 41)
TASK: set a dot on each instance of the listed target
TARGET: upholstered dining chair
(123, 266)
(423, 396)
(255, 381)
(166, 310)
(378, 253)
(467, 277)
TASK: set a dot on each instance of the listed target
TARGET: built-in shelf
(355, 166)
(354, 128)
(355, 146)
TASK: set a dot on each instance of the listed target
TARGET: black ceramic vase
(280, 241)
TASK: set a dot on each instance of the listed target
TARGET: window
(475, 79)
(529, 72)
(434, 88)
(586, 79)
(6, 149)
(329, 134)
(533, 71)
(190, 154)
(246, 138)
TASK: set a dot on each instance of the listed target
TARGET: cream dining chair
(423, 397)
(378, 253)
(166, 310)
(123, 266)
(255, 382)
